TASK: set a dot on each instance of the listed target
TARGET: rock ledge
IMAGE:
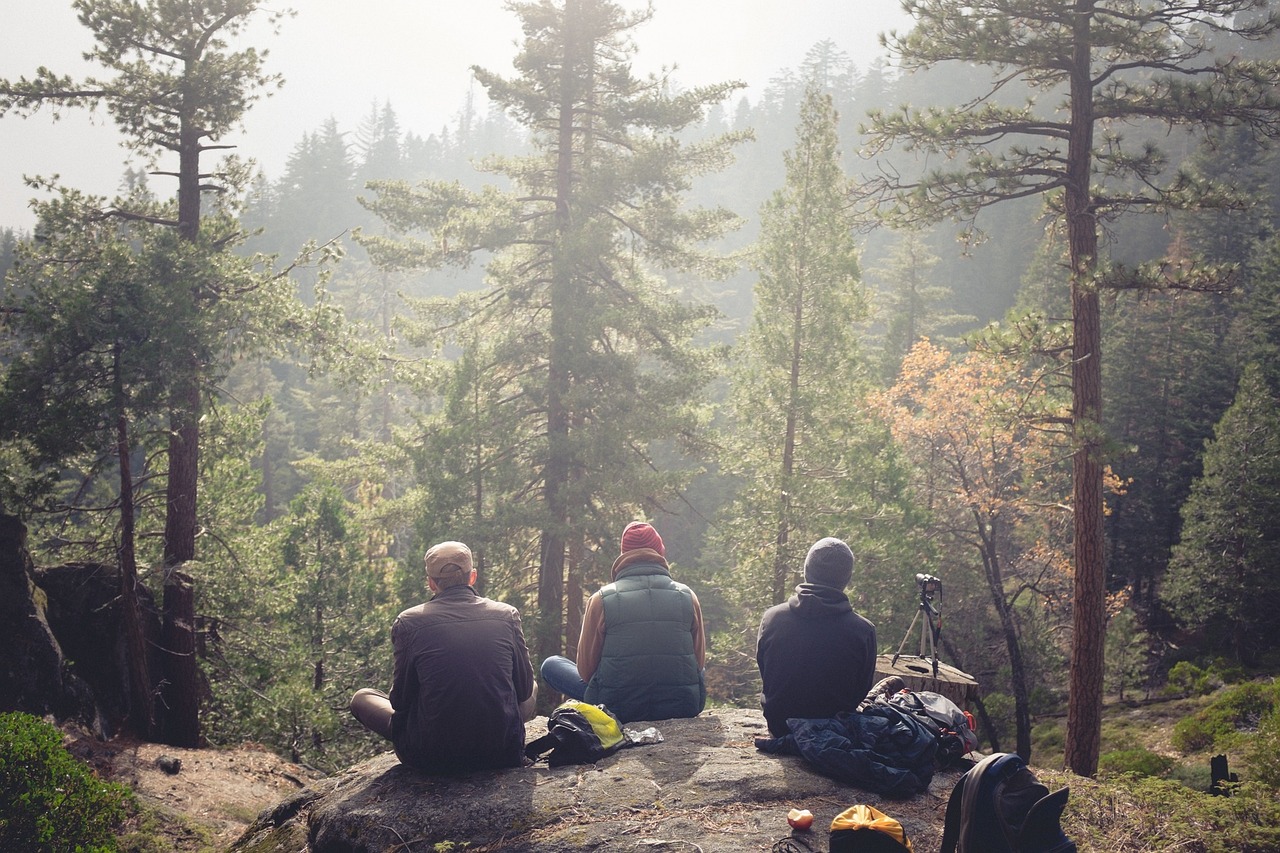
(706, 788)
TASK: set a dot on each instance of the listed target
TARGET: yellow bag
(577, 733)
(865, 829)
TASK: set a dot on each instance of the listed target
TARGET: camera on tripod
(929, 585)
(932, 627)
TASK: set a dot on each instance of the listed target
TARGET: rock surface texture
(705, 788)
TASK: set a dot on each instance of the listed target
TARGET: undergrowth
(1132, 814)
(49, 801)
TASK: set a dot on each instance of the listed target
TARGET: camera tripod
(932, 627)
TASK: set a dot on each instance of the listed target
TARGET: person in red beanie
(642, 650)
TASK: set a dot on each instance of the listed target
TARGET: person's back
(642, 649)
(459, 707)
(816, 655)
(648, 668)
(463, 684)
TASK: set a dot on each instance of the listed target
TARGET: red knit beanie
(641, 535)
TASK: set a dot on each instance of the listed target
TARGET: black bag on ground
(950, 724)
(882, 749)
(577, 733)
(999, 807)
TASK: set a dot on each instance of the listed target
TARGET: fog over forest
(339, 58)
(1015, 327)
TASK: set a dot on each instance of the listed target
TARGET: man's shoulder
(497, 606)
(411, 612)
(776, 612)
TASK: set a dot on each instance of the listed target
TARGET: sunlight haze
(340, 58)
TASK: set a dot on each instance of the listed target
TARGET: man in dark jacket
(642, 649)
(463, 685)
(817, 657)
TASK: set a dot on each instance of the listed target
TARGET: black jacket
(817, 657)
(461, 671)
(881, 749)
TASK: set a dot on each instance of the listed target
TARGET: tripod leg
(905, 637)
(933, 630)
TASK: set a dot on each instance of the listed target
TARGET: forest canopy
(1004, 312)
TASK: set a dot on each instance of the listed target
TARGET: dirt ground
(212, 797)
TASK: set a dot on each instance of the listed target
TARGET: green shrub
(1131, 814)
(1196, 776)
(1238, 709)
(1139, 762)
(1228, 672)
(1263, 753)
(1187, 679)
(1194, 734)
(49, 802)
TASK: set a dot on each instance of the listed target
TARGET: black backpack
(577, 733)
(952, 726)
(999, 807)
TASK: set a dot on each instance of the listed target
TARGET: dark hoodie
(817, 657)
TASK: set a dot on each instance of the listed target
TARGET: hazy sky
(339, 57)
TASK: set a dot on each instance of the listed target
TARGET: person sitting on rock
(816, 655)
(463, 685)
(642, 649)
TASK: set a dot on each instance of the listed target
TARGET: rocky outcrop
(61, 635)
(705, 788)
(35, 675)
(84, 613)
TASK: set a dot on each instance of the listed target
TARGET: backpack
(865, 829)
(577, 733)
(954, 728)
(999, 807)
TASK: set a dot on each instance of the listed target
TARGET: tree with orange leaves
(984, 435)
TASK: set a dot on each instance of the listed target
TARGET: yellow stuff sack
(865, 829)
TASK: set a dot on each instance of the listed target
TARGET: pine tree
(177, 88)
(911, 303)
(101, 321)
(1221, 574)
(591, 350)
(798, 380)
(1113, 61)
(1168, 381)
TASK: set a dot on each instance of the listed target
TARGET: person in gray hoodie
(817, 656)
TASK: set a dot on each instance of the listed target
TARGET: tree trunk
(184, 467)
(183, 716)
(181, 697)
(559, 380)
(574, 598)
(141, 707)
(1084, 713)
(780, 567)
(1009, 628)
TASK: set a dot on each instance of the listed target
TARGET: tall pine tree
(798, 377)
(1221, 575)
(587, 348)
(175, 88)
(1110, 62)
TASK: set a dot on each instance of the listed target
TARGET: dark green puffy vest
(647, 667)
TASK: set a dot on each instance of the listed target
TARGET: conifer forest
(1002, 307)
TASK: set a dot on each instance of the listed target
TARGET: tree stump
(917, 673)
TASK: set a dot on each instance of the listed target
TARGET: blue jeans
(561, 675)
